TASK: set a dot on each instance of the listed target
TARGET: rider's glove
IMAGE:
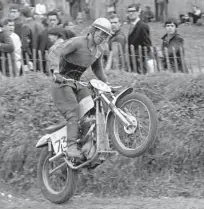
(58, 78)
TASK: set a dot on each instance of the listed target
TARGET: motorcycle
(108, 126)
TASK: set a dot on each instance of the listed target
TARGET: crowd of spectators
(25, 30)
(34, 29)
(140, 36)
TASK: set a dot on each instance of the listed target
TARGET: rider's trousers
(66, 98)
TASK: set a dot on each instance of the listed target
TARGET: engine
(86, 135)
(85, 124)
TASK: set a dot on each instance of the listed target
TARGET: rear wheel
(138, 139)
(58, 187)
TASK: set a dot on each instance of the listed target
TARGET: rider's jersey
(79, 57)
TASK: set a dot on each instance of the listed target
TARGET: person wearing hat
(75, 56)
(172, 40)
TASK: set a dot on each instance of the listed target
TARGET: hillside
(174, 167)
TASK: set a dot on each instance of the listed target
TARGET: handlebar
(83, 83)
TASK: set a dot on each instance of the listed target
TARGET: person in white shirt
(196, 14)
(9, 27)
(40, 8)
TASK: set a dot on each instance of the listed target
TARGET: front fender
(43, 141)
(115, 102)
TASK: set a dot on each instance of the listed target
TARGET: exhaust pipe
(56, 157)
(57, 168)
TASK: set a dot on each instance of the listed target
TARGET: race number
(61, 144)
(59, 140)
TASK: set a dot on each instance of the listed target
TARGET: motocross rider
(76, 55)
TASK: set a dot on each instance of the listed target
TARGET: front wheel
(137, 140)
(58, 187)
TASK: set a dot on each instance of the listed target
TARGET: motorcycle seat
(53, 128)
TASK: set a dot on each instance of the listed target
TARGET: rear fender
(115, 102)
(43, 141)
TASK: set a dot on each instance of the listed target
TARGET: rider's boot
(72, 146)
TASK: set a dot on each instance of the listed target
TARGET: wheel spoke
(55, 181)
(138, 110)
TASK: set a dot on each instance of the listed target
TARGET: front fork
(123, 117)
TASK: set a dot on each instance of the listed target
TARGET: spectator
(147, 14)
(69, 25)
(9, 27)
(184, 19)
(196, 14)
(44, 23)
(172, 40)
(30, 32)
(118, 35)
(50, 7)
(14, 13)
(110, 11)
(40, 8)
(139, 35)
(68, 33)
(24, 3)
(44, 43)
(56, 38)
(79, 18)
(6, 46)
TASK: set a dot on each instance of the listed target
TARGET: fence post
(141, 60)
(167, 59)
(22, 64)
(16, 71)
(175, 60)
(122, 59)
(47, 67)
(127, 57)
(146, 58)
(27, 61)
(183, 66)
(40, 60)
(198, 60)
(156, 57)
(3, 63)
(133, 58)
(115, 60)
(34, 60)
(10, 65)
(190, 64)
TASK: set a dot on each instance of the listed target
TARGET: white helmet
(103, 24)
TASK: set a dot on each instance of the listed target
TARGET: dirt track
(8, 201)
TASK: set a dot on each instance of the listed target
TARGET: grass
(173, 167)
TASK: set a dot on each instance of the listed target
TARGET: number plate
(59, 140)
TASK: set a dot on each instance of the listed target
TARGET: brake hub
(130, 129)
